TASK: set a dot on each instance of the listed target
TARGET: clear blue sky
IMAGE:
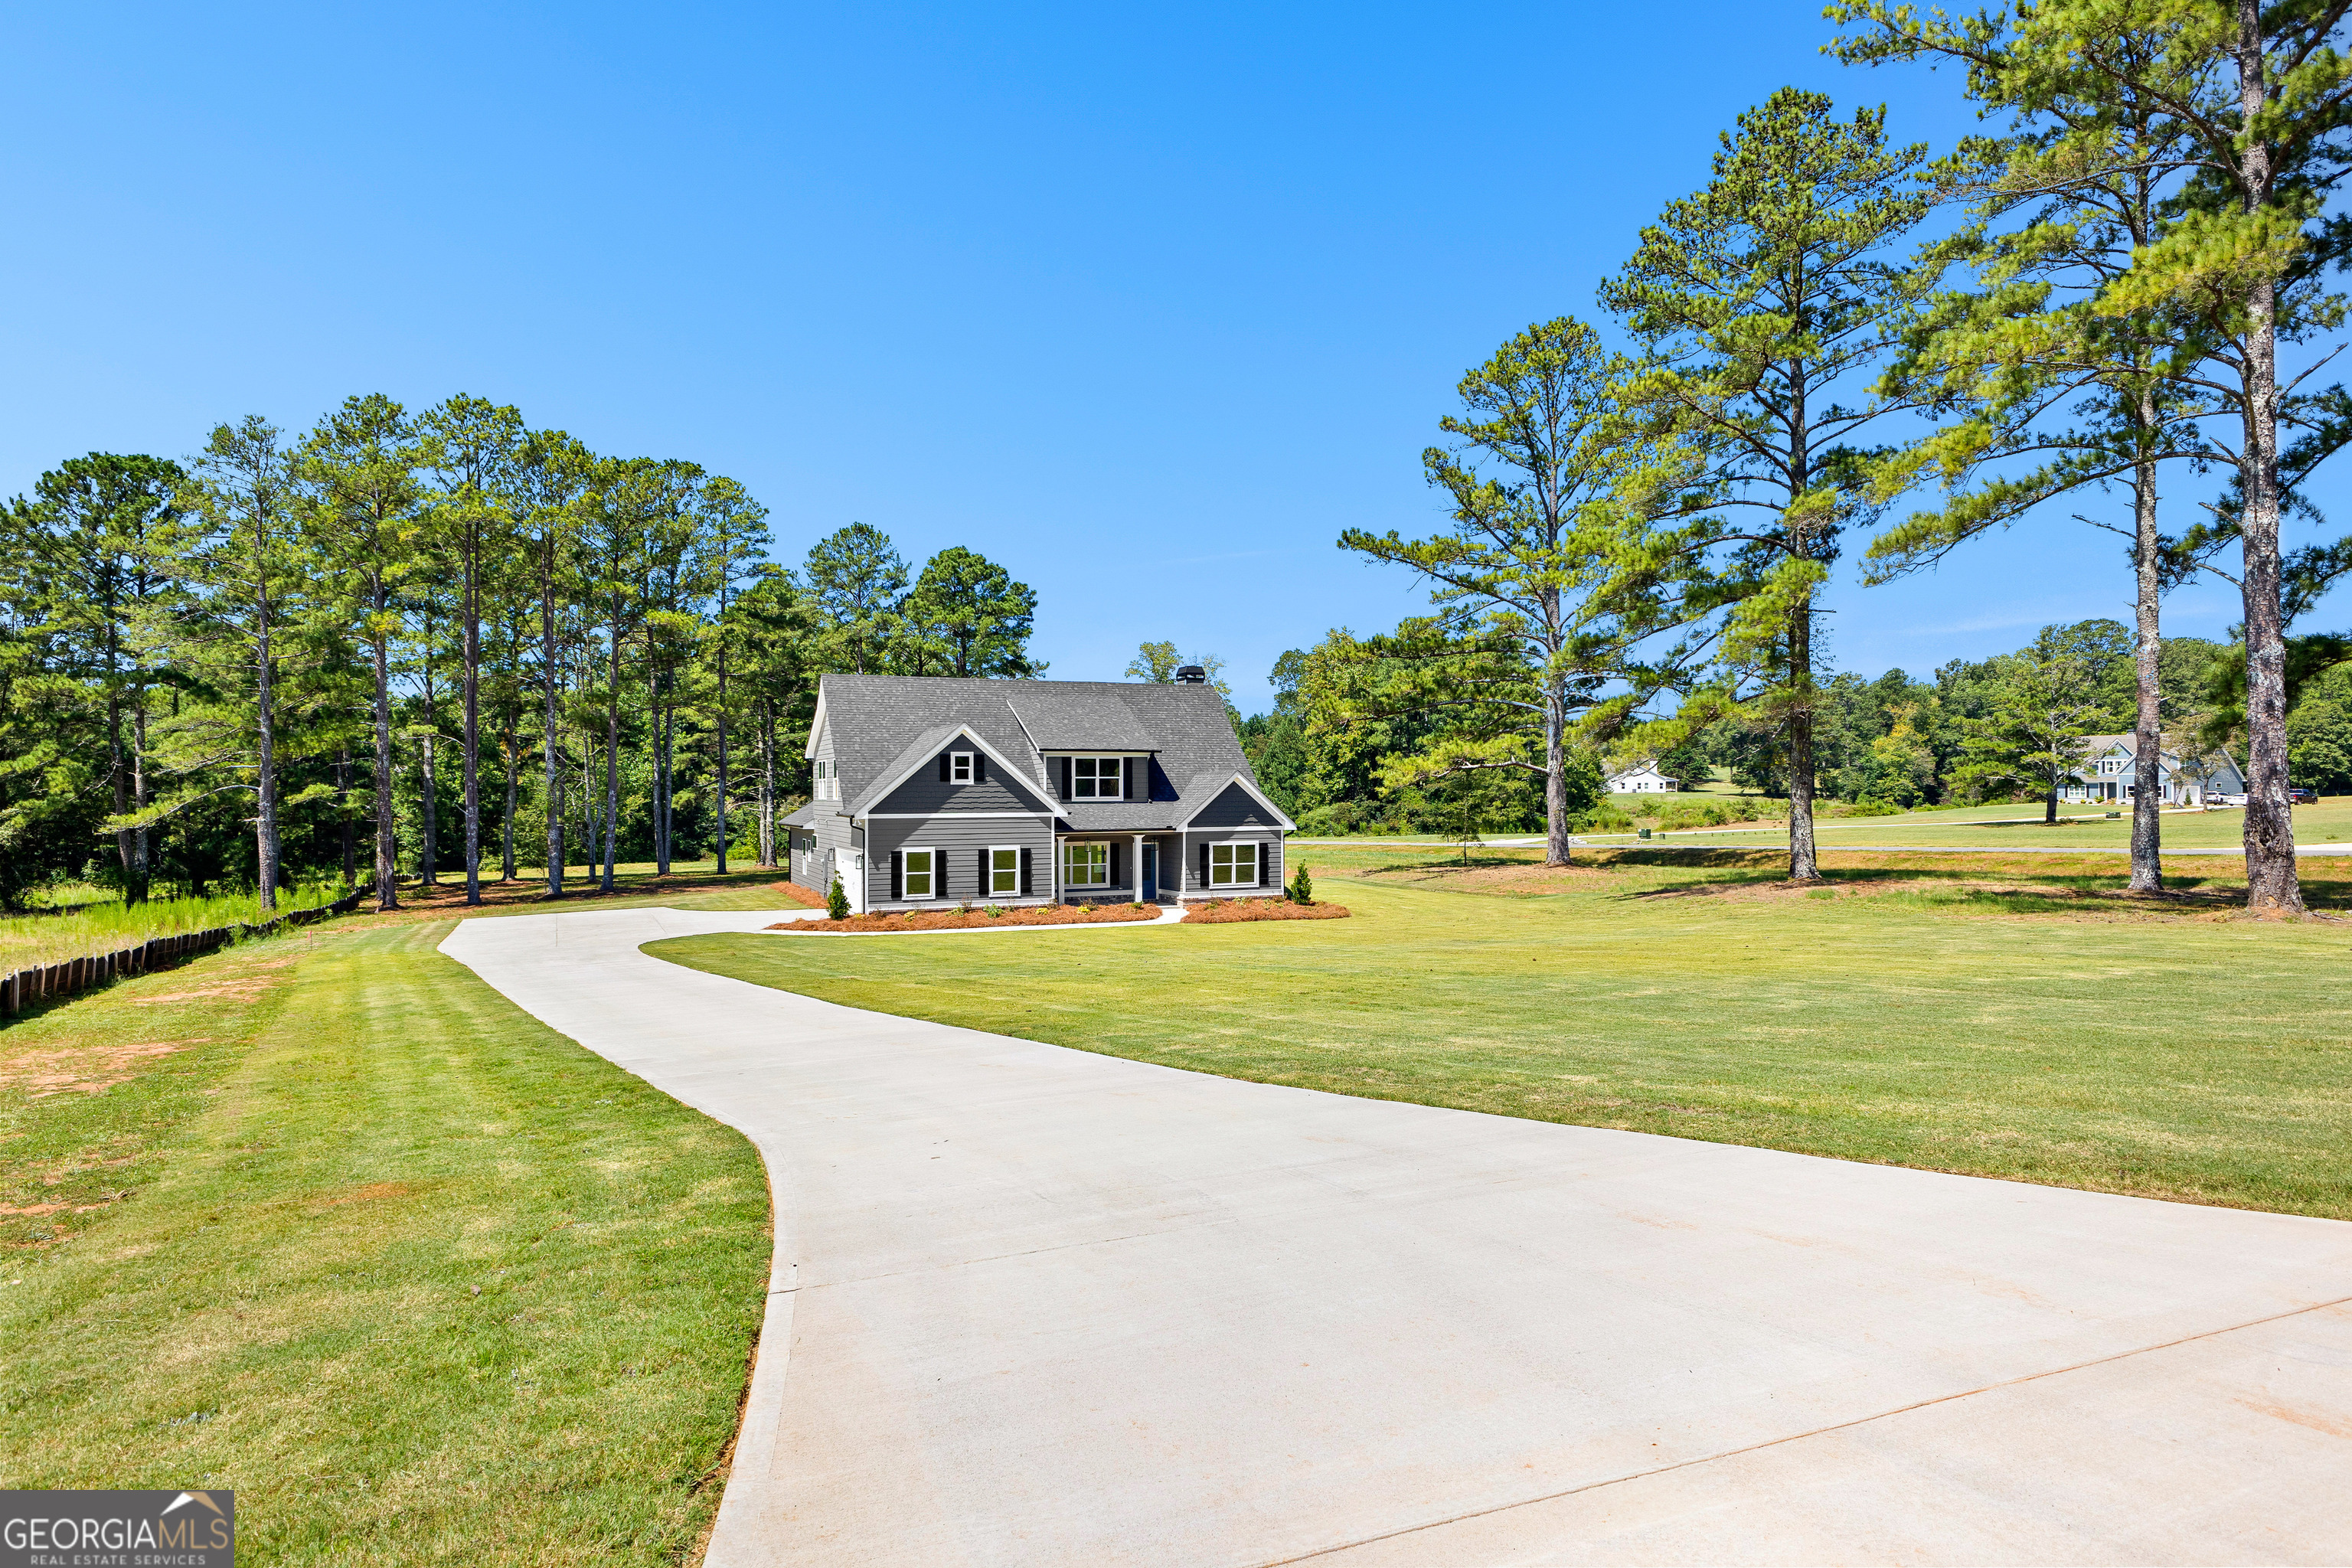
(1146, 306)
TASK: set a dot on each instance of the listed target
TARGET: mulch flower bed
(806, 898)
(967, 920)
(1225, 912)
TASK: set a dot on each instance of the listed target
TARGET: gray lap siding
(1236, 816)
(961, 838)
(814, 870)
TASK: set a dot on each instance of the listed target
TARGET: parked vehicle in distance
(2227, 799)
(2295, 796)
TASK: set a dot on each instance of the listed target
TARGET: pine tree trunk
(266, 774)
(547, 666)
(387, 888)
(2147, 731)
(1804, 866)
(343, 815)
(767, 783)
(428, 847)
(470, 653)
(118, 777)
(1558, 849)
(139, 866)
(511, 745)
(722, 763)
(2273, 886)
(612, 759)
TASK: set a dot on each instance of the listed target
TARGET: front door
(1151, 873)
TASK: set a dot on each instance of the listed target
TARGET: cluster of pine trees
(435, 645)
(2123, 282)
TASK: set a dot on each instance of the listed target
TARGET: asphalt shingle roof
(878, 722)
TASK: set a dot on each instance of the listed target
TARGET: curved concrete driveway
(1038, 1307)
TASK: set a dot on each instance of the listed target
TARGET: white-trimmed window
(1098, 778)
(828, 781)
(919, 873)
(1233, 865)
(1086, 865)
(959, 767)
(1003, 871)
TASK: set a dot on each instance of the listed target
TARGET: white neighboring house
(2109, 763)
(1642, 778)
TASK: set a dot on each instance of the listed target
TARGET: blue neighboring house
(934, 790)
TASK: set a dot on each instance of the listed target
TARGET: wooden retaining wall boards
(27, 986)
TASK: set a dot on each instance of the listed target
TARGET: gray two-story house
(931, 790)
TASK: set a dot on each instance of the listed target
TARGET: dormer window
(959, 767)
(1098, 778)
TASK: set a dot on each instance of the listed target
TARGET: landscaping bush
(836, 901)
(1302, 886)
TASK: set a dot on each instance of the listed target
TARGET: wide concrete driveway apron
(1035, 1306)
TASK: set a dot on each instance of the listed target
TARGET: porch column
(1139, 867)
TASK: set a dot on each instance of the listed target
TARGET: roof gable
(878, 726)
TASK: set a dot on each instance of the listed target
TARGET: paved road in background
(1034, 1306)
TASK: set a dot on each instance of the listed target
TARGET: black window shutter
(1265, 862)
(1204, 865)
(944, 767)
(897, 875)
(987, 883)
(978, 768)
(1064, 771)
(1126, 778)
(1025, 873)
(1114, 862)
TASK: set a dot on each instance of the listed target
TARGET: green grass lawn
(2027, 1027)
(324, 1219)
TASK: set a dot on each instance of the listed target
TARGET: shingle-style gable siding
(925, 794)
(1237, 807)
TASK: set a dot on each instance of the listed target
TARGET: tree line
(2092, 297)
(473, 644)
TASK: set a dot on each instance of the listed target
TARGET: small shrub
(994, 911)
(1302, 886)
(836, 901)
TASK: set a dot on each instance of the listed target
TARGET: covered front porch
(1161, 868)
(1117, 868)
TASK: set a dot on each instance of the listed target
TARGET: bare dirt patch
(89, 1071)
(374, 1192)
(1229, 911)
(969, 920)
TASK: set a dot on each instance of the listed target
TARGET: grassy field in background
(323, 1218)
(104, 925)
(2011, 1020)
